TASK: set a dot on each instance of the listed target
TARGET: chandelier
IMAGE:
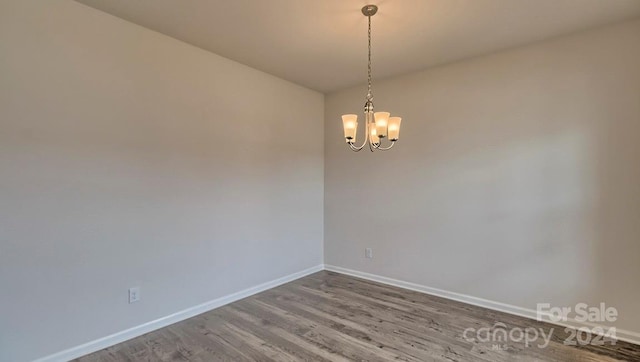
(378, 125)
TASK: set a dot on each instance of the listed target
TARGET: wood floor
(332, 317)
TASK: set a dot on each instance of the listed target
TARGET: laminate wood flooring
(328, 316)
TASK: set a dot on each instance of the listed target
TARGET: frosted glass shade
(394, 128)
(382, 119)
(374, 136)
(350, 125)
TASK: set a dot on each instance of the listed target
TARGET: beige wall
(516, 178)
(128, 158)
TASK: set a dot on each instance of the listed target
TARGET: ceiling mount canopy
(369, 10)
(378, 125)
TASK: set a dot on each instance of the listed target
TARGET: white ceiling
(321, 44)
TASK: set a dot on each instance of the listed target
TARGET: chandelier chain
(369, 95)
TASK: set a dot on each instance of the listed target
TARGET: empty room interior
(329, 180)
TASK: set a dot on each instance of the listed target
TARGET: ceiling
(321, 44)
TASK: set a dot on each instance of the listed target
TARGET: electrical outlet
(368, 253)
(134, 294)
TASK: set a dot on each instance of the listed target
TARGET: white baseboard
(622, 335)
(108, 341)
(133, 332)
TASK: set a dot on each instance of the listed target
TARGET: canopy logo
(499, 335)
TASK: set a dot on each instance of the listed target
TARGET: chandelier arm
(369, 141)
(366, 132)
(356, 148)
(387, 148)
(373, 146)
